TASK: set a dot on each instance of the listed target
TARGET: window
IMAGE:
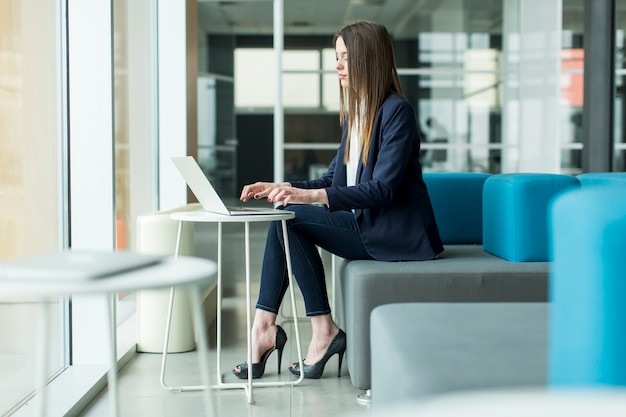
(31, 186)
(254, 88)
(307, 83)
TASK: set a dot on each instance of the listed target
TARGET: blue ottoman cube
(515, 214)
(588, 288)
(602, 178)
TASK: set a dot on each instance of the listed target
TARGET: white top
(184, 270)
(355, 155)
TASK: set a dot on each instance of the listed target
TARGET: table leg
(220, 384)
(293, 300)
(248, 310)
(219, 303)
(168, 320)
(166, 343)
(112, 375)
(168, 327)
(42, 358)
(179, 235)
(333, 274)
(203, 348)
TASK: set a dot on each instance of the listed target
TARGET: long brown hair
(372, 76)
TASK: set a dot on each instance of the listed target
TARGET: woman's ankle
(324, 327)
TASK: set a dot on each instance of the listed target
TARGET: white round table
(195, 273)
(201, 216)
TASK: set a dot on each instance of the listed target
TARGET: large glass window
(31, 186)
(254, 88)
(497, 85)
(310, 99)
(301, 81)
(474, 75)
(456, 90)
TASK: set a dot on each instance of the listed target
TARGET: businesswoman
(372, 202)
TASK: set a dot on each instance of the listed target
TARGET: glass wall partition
(219, 143)
(496, 85)
(462, 64)
(454, 81)
(32, 186)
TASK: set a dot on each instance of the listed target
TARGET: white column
(538, 132)
(172, 110)
(142, 107)
(92, 174)
(92, 181)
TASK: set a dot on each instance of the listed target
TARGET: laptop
(75, 265)
(206, 194)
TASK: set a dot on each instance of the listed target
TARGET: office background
(95, 98)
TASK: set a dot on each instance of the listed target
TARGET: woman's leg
(312, 226)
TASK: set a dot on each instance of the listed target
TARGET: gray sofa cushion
(426, 349)
(464, 273)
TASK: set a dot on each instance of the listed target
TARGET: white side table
(196, 273)
(207, 217)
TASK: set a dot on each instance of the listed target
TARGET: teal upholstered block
(588, 288)
(515, 214)
(457, 199)
(602, 178)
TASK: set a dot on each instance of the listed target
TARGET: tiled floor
(142, 395)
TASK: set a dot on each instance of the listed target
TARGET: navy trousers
(313, 226)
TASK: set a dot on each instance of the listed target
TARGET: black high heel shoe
(258, 369)
(315, 371)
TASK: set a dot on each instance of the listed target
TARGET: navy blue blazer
(390, 200)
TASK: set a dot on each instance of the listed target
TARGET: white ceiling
(405, 18)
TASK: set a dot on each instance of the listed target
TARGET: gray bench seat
(463, 273)
(456, 347)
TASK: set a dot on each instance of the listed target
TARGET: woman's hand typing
(289, 194)
(283, 193)
(260, 190)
